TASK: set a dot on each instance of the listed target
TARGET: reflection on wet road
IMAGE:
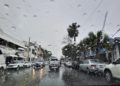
(31, 77)
(45, 77)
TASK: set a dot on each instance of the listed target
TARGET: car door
(117, 66)
(81, 65)
(85, 65)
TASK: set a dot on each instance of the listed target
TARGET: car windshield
(59, 42)
(54, 59)
(96, 61)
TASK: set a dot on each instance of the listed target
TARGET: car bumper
(54, 66)
(97, 70)
(11, 67)
(93, 70)
(101, 70)
(26, 65)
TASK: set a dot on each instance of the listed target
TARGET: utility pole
(29, 49)
(104, 24)
(104, 21)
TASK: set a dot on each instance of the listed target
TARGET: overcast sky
(46, 21)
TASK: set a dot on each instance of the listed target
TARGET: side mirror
(114, 63)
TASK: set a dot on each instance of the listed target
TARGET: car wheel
(2, 71)
(18, 68)
(108, 76)
(88, 71)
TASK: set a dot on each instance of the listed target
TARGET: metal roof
(11, 39)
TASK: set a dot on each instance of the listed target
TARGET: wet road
(45, 77)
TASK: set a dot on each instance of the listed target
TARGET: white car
(14, 62)
(112, 71)
(15, 65)
(92, 65)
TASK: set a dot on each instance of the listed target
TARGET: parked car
(92, 66)
(14, 62)
(2, 62)
(112, 71)
(68, 63)
(54, 63)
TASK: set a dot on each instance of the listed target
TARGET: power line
(99, 4)
(116, 32)
(104, 21)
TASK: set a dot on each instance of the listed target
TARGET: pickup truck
(54, 63)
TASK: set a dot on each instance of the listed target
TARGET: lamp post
(29, 49)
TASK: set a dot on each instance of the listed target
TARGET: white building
(8, 44)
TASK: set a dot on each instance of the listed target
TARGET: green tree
(73, 31)
(92, 41)
(99, 40)
(66, 50)
(69, 51)
(95, 42)
(46, 54)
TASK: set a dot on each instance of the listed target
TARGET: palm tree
(73, 31)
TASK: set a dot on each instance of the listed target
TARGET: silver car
(92, 65)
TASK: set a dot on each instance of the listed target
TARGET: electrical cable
(99, 4)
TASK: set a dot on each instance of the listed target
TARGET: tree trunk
(97, 54)
(74, 40)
